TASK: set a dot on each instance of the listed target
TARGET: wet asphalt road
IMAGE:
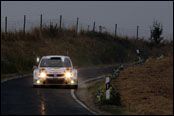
(18, 97)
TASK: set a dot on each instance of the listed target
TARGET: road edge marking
(96, 78)
(79, 102)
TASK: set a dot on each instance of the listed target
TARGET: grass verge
(144, 90)
(87, 93)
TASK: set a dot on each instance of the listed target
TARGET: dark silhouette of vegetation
(156, 32)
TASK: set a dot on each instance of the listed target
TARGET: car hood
(49, 70)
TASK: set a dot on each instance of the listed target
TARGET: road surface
(18, 97)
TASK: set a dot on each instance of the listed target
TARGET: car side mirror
(34, 67)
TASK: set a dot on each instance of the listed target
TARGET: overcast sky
(127, 14)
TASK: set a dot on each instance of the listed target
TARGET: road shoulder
(85, 96)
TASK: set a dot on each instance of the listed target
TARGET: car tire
(35, 86)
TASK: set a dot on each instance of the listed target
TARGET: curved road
(18, 97)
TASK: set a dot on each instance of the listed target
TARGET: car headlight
(68, 74)
(38, 81)
(42, 75)
(72, 82)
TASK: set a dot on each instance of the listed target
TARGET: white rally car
(55, 70)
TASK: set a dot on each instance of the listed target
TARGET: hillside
(19, 50)
(148, 89)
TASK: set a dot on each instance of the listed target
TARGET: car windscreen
(54, 62)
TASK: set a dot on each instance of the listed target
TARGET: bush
(156, 32)
(7, 67)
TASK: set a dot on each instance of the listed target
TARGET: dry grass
(87, 94)
(144, 89)
(18, 51)
(148, 88)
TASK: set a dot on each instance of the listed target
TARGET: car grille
(55, 81)
(57, 75)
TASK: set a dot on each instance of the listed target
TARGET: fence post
(88, 27)
(94, 27)
(77, 25)
(107, 88)
(24, 24)
(6, 24)
(137, 32)
(41, 21)
(60, 23)
(100, 29)
(115, 30)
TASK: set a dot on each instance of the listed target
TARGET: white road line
(78, 101)
(99, 77)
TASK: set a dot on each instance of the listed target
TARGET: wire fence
(35, 21)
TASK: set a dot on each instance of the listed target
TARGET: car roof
(50, 56)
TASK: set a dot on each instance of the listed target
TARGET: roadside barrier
(115, 73)
(160, 57)
(100, 96)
